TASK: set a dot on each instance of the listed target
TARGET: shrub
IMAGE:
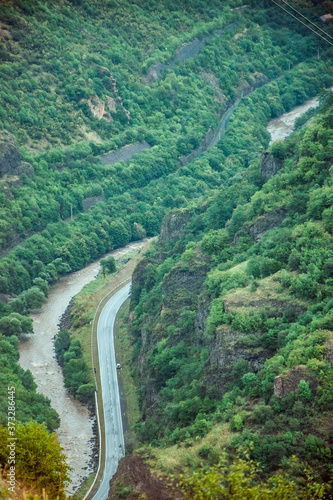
(270, 426)
(253, 268)
(61, 344)
(278, 149)
(250, 383)
(304, 391)
(238, 422)
(85, 393)
(305, 286)
(209, 453)
(262, 413)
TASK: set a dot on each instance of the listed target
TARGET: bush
(262, 413)
(278, 149)
(200, 428)
(238, 423)
(86, 393)
(304, 391)
(270, 426)
(108, 265)
(294, 260)
(61, 344)
(250, 383)
(285, 278)
(305, 286)
(253, 268)
(326, 390)
(315, 447)
(209, 453)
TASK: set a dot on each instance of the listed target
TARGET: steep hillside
(232, 323)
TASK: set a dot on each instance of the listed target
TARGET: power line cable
(313, 24)
(308, 27)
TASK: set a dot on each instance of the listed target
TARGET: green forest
(231, 309)
(233, 314)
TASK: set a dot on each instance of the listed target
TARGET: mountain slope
(232, 321)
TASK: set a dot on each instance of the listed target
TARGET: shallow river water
(37, 354)
(283, 126)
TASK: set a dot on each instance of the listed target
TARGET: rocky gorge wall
(11, 164)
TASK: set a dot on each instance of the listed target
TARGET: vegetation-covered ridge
(173, 114)
(231, 317)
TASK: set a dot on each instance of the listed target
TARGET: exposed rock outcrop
(265, 223)
(180, 288)
(227, 348)
(257, 80)
(135, 475)
(289, 381)
(26, 168)
(10, 156)
(92, 200)
(173, 225)
(100, 108)
(269, 165)
(138, 281)
(329, 353)
(97, 108)
(215, 84)
(125, 154)
(200, 322)
(186, 51)
(11, 164)
(261, 225)
(110, 103)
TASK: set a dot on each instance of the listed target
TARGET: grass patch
(243, 300)
(237, 268)
(181, 460)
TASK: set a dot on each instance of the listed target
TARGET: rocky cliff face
(10, 157)
(184, 299)
(269, 166)
(173, 225)
(134, 477)
(180, 296)
(289, 381)
(227, 348)
(11, 163)
(102, 108)
(265, 223)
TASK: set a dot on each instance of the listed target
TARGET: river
(282, 126)
(37, 354)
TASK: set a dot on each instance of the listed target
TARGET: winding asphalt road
(114, 436)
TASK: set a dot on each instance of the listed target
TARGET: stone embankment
(186, 51)
(125, 154)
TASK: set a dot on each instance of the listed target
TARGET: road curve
(114, 436)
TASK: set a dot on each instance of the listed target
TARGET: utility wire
(313, 24)
(308, 27)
